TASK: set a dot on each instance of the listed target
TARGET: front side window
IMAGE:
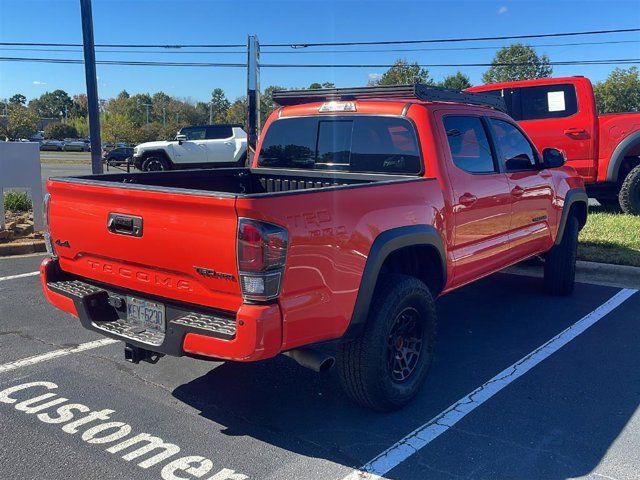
(194, 133)
(468, 144)
(515, 151)
(350, 143)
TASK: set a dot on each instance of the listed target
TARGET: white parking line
(25, 362)
(422, 436)
(22, 275)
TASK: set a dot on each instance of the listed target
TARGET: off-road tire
(362, 363)
(560, 263)
(155, 163)
(629, 195)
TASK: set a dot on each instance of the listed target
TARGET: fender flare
(618, 155)
(573, 197)
(384, 245)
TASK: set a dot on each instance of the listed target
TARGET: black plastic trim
(618, 155)
(96, 308)
(384, 245)
(575, 195)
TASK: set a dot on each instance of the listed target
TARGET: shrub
(17, 202)
(60, 131)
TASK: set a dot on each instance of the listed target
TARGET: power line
(308, 65)
(317, 44)
(448, 40)
(299, 51)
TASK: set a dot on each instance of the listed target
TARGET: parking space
(572, 415)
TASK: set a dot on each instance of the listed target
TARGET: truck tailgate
(185, 251)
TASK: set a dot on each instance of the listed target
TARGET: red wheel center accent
(399, 343)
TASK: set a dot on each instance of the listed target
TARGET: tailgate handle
(125, 224)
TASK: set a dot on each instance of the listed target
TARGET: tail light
(47, 232)
(262, 252)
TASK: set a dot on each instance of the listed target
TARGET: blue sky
(172, 22)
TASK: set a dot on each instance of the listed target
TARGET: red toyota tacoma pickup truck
(561, 113)
(360, 207)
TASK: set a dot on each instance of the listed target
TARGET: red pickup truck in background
(561, 113)
(361, 206)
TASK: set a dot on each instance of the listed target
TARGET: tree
(459, 81)
(517, 62)
(316, 85)
(266, 102)
(237, 112)
(20, 123)
(402, 72)
(117, 128)
(18, 99)
(52, 104)
(219, 105)
(60, 131)
(79, 106)
(620, 92)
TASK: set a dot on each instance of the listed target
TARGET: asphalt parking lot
(569, 410)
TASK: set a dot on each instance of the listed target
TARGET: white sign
(20, 167)
(555, 100)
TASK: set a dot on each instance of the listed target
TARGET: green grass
(17, 202)
(610, 237)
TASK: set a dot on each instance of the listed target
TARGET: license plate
(147, 314)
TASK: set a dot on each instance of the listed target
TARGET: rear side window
(536, 103)
(469, 144)
(351, 143)
(514, 149)
(218, 132)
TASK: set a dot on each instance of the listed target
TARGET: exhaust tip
(312, 359)
(326, 365)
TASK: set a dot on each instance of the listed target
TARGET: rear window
(217, 132)
(354, 143)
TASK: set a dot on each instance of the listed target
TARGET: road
(572, 413)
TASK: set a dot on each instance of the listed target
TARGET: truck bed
(234, 182)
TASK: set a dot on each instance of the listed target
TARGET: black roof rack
(418, 91)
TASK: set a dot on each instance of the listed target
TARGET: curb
(22, 248)
(622, 276)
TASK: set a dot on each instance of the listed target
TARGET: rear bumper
(253, 333)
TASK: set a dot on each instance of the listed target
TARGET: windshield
(372, 144)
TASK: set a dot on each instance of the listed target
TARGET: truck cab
(561, 113)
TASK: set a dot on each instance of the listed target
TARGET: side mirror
(181, 138)
(553, 158)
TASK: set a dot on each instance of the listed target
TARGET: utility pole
(164, 116)
(210, 113)
(147, 105)
(253, 91)
(92, 85)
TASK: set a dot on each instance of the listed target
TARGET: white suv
(199, 146)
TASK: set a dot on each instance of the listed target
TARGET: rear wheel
(384, 368)
(630, 192)
(155, 164)
(560, 264)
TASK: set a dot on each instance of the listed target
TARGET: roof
(216, 125)
(529, 83)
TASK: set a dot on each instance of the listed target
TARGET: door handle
(229, 144)
(575, 131)
(467, 199)
(545, 173)
(517, 191)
